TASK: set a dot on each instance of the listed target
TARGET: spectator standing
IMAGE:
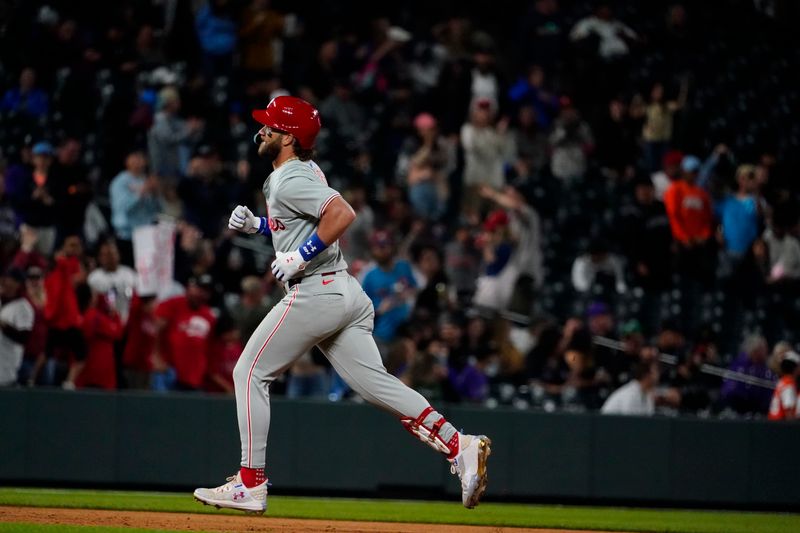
(453, 94)
(111, 279)
(26, 99)
(34, 357)
(425, 162)
(739, 216)
(531, 92)
(530, 143)
(34, 200)
(571, 142)
(185, 326)
(613, 34)
(425, 67)
(485, 80)
(721, 158)
(63, 314)
(645, 236)
(346, 121)
(148, 54)
(216, 31)
(8, 221)
(657, 129)
(381, 60)
(527, 257)
(783, 250)
(259, 28)
(204, 191)
(784, 400)
(617, 148)
(141, 331)
(691, 219)
(688, 206)
(135, 202)
(102, 327)
(462, 263)
(170, 138)
(495, 286)
(71, 190)
(16, 323)
(484, 153)
(26, 255)
(325, 68)
(670, 171)
(391, 287)
(542, 35)
(778, 255)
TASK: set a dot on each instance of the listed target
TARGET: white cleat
(470, 466)
(234, 495)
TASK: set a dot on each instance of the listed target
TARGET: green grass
(490, 514)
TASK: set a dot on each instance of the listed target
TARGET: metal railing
(704, 368)
(665, 358)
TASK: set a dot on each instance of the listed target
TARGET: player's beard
(270, 148)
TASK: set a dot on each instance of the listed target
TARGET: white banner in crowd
(154, 257)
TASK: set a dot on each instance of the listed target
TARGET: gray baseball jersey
(297, 194)
(324, 306)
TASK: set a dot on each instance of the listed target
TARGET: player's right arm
(243, 220)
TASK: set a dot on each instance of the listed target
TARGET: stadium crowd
(526, 182)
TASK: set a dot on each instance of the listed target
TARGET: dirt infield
(234, 524)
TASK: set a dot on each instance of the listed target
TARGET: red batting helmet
(293, 115)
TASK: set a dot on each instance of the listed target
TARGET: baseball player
(323, 306)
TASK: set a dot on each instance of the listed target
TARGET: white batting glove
(288, 265)
(242, 219)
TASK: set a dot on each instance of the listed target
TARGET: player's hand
(242, 219)
(288, 265)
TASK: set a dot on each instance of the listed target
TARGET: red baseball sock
(453, 445)
(252, 477)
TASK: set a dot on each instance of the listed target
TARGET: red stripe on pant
(250, 375)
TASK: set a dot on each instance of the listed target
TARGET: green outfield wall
(143, 439)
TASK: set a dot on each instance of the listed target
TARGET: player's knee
(241, 371)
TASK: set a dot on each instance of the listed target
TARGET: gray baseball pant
(333, 312)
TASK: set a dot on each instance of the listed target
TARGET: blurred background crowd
(555, 199)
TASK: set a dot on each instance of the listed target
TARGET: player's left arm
(335, 217)
(335, 220)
